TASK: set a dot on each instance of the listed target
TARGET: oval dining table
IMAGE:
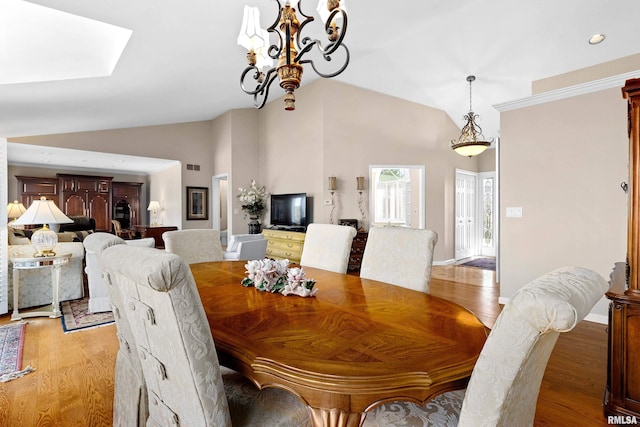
(353, 345)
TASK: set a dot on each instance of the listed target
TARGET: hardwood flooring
(73, 382)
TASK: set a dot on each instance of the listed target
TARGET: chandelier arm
(307, 43)
(328, 59)
(307, 19)
(268, 79)
(264, 93)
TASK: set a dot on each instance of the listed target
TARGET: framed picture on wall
(197, 203)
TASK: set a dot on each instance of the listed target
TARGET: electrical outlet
(327, 202)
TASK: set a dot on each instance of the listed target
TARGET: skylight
(39, 44)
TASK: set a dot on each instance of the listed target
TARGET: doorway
(475, 211)
(220, 206)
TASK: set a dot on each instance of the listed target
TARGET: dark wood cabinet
(357, 249)
(32, 188)
(89, 196)
(97, 197)
(622, 394)
(125, 200)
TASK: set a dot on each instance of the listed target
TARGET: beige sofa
(35, 285)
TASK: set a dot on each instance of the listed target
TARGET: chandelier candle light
(289, 48)
(471, 142)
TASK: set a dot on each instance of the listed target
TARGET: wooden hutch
(97, 197)
(622, 394)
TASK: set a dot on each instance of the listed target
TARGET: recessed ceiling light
(596, 38)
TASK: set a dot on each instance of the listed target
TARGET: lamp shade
(15, 209)
(333, 183)
(154, 205)
(360, 183)
(43, 211)
(251, 36)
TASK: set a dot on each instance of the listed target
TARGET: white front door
(466, 212)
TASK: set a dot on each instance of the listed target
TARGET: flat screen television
(289, 210)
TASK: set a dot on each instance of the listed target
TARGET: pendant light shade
(471, 141)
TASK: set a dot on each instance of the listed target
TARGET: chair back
(194, 245)
(130, 404)
(117, 228)
(399, 256)
(172, 336)
(503, 389)
(327, 246)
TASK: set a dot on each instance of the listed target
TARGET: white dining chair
(178, 356)
(327, 246)
(130, 405)
(505, 382)
(400, 256)
(194, 245)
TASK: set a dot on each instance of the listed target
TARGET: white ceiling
(182, 62)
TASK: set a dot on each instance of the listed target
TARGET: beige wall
(340, 130)
(563, 163)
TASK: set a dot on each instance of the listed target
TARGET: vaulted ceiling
(181, 62)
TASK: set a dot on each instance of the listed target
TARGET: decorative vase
(254, 224)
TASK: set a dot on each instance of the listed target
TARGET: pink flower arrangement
(273, 276)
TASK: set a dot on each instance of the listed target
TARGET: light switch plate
(514, 212)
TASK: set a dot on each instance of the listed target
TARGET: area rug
(484, 263)
(76, 316)
(11, 343)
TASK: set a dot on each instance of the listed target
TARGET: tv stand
(284, 244)
(296, 228)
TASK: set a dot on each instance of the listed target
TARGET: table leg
(55, 290)
(16, 293)
(322, 417)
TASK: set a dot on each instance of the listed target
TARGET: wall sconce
(333, 187)
(360, 188)
(154, 207)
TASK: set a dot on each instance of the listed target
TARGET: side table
(154, 231)
(54, 263)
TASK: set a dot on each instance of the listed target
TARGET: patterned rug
(76, 316)
(11, 342)
(484, 263)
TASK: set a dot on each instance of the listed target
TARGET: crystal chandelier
(289, 48)
(471, 142)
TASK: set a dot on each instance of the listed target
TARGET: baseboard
(445, 262)
(595, 318)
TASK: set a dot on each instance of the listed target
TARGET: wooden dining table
(355, 344)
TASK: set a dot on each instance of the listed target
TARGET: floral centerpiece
(273, 276)
(252, 199)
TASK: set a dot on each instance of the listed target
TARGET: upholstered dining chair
(177, 353)
(327, 246)
(400, 256)
(505, 382)
(194, 245)
(130, 405)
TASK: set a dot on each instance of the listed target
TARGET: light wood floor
(73, 381)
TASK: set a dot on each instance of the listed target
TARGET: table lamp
(14, 210)
(154, 207)
(44, 212)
